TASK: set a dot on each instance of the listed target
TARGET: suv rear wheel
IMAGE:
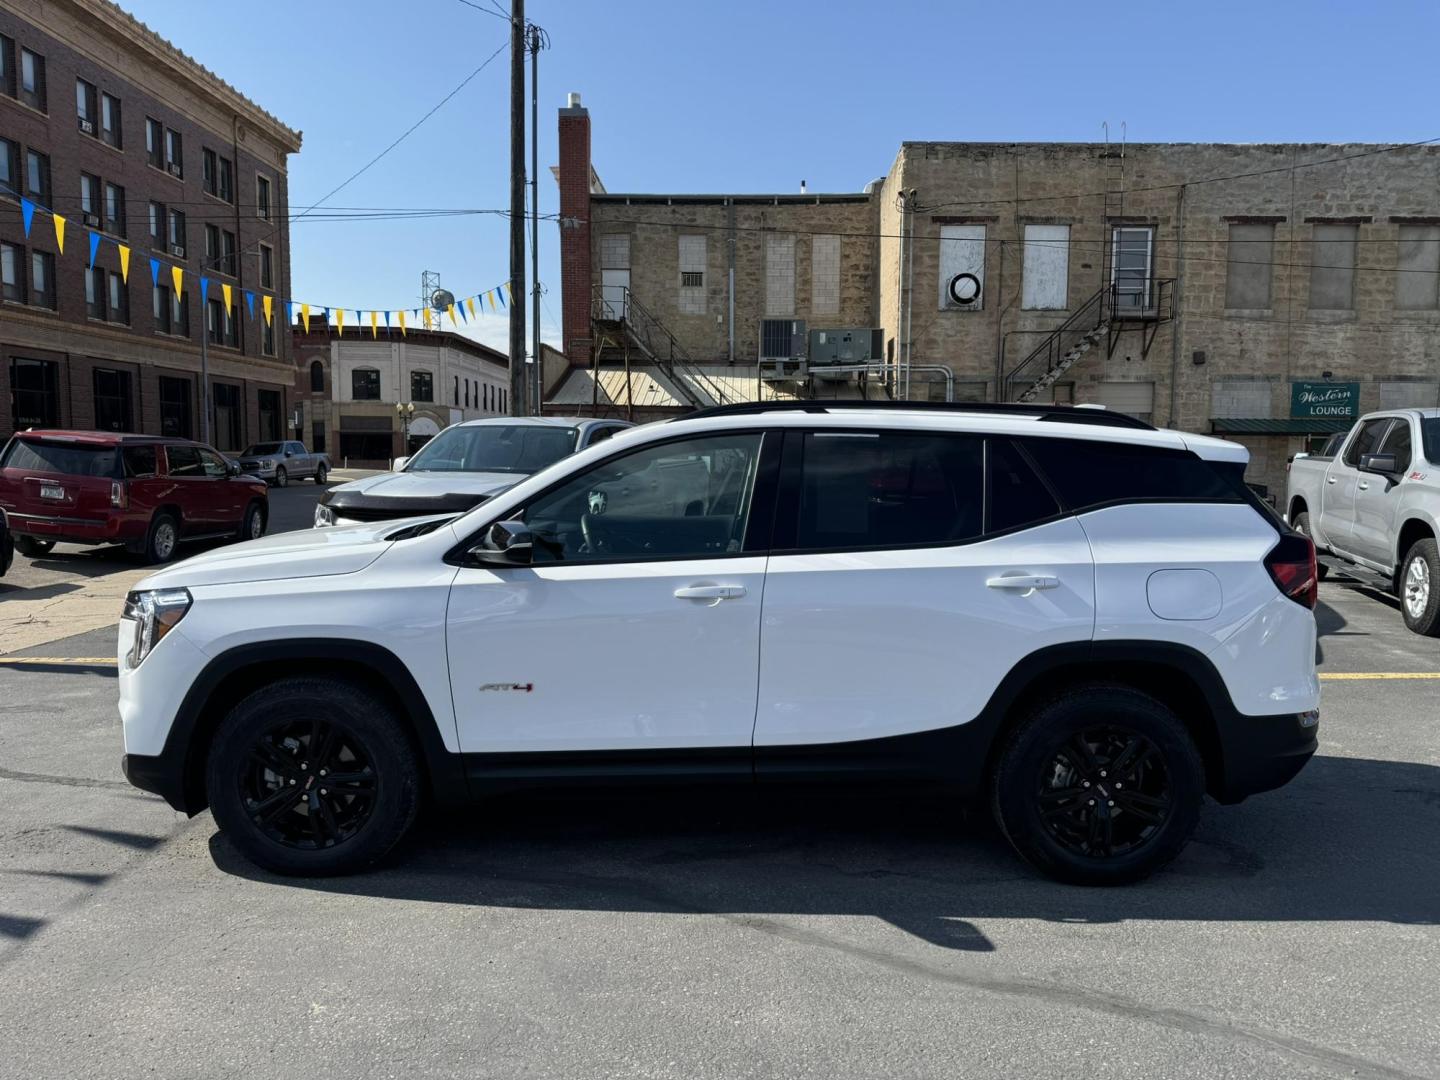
(313, 776)
(28, 545)
(1420, 588)
(161, 540)
(1099, 786)
(252, 525)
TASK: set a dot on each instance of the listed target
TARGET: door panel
(1342, 485)
(1378, 497)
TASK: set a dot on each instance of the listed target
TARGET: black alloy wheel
(1104, 792)
(308, 784)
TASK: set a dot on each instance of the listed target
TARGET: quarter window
(685, 499)
(1089, 473)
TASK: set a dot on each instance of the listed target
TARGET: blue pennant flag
(250, 303)
(204, 288)
(500, 292)
(27, 211)
(387, 320)
(154, 271)
(289, 312)
(327, 316)
(460, 307)
(94, 246)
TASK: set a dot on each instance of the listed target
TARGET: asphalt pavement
(717, 934)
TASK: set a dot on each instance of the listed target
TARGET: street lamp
(405, 410)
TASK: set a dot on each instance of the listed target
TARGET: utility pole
(517, 210)
(537, 373)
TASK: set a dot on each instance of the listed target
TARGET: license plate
(50, 491)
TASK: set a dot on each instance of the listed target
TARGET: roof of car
(539, 421)
(98, 438)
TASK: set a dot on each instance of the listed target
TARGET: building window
(962, 267)
(317, 437)
(467, 393)
(95, 292)
(365, 384)
(12, 272)
(779, 274)
(317, 377)
(692, 275)
(115, 209)
(9, 168)
(227, 252)
(221, 325)
(86, 106)
(37, 176)
(32, 79)
(1332, 268)
(112, 400)
(212, 247)
(174, 153)
(268, 408)
(110, 121)
(422, 386)
(175, 398)
(157, 224)
(825, 274)
(267, 337)
(228, 433)
(1250, 268)
(1045, 269)
(267, 267)
(42, 279)
(119, 299)
(227, 180)
(34, 393)
(161, 308)
(262, 197)
(90, 200)
(7, 66)
(1417, 268)
(485, 397)
(177, 233)
(457, 391)
(154, 142)
(1132, 262)
(207, 170)
(180, 315)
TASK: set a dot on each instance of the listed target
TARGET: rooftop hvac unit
(834, 348)
(782, 349)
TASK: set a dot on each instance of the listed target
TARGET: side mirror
(289, 453)
(1384, 464)
(232, 468)
(506, 543)
(399, 464)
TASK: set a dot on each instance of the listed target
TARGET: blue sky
(746, 96)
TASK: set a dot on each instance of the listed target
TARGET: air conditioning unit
(87, 126)
(178, 250)
(844, 346)
(782, 349)
(174, 168)
(92, 220)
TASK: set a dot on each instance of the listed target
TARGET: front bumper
(1261, 753)
(254, 469)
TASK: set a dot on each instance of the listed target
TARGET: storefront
(1317, 411)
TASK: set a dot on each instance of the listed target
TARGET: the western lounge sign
(1324, 399)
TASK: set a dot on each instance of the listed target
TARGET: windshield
(68, 458)
(261, 449)
(1430, 438)
(510, 448)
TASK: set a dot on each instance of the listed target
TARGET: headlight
(323, 516)
(155, 613)
(267, 464)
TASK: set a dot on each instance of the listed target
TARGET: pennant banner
(305, 316)
(228, 294)
(250, 303)
(339, 320)
(124, 263)
(155, 272)
(402, 322)
(374, 329)
(59, 232)
(94, 247)
(267, 303)
(27, 212)
(177, 277)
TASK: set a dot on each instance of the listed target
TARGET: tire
(1419, 588)
(1056, 817)
(282, 478)
(320, 473)
(1302, 525)
(351, 829)
(162, 539)
(252, 525)
(29, 545)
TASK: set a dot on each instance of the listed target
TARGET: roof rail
(1065, 414)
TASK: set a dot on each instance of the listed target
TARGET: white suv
(1083, 621)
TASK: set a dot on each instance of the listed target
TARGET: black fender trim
(177, 773)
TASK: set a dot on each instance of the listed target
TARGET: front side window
(1366, 441)
(213, 464)
(184, 461)
(685, 499)
(365, 384)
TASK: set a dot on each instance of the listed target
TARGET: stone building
(107, 124)
(1266, 293)
(347, 387)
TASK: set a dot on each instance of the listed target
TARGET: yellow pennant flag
(453, 320)
(305, 316)
(509, 292)
(374, 330)
(490, 296)
(226, 292)
(266, 303)
(425, 317)
(59, 232)
(124, 263)
(402, 322)
(177, 278)
(470, 303)
(340, 320)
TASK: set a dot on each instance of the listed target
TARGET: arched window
(317, 377)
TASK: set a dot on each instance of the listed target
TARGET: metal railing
(617, 304)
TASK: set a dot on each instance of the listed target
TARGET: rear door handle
(1330, 480)
(1026, 582)
(1363, 486)
(710, 592)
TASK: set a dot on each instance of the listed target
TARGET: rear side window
(1088, 474)
(1430, 438)
(886, 489)
(139, 460)
(55, 457)
(1015, 495)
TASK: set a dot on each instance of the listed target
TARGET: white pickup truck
(1373, 508)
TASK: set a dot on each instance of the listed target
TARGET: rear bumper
(76, 530)
(1261, 753)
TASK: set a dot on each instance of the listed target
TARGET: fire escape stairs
(621, 326)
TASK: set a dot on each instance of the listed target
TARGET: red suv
(146, 492)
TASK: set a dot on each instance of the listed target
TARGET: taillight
(119, 497)
(1291, 564)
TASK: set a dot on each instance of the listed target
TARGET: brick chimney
(575, 272)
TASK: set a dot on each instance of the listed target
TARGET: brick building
(112, 127)
(1267, 293)
(347, 387)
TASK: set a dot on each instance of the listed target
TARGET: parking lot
(713, 934)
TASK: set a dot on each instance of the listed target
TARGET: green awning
(1315, 425)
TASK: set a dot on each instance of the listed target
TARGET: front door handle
(1363, 485)
(710, 592)
(1330, 480)
(1027, 582)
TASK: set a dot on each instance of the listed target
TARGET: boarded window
(962, 258)
(1135, 398)
(825, 275)
(692, 275)
(1417, 267)
(1332, 268)
(1240, 398)
(1409, 394)
(1046, 273)
(1250, 268)
(615, 251)
(779, 275)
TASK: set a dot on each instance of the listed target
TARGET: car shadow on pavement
(1351, 839)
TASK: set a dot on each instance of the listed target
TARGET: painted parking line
(58, 661)
(1353, 675)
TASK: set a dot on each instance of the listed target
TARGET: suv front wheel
(1099, 786)
(313, 776)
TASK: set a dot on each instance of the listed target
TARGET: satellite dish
(441, 299)
(964, 288)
